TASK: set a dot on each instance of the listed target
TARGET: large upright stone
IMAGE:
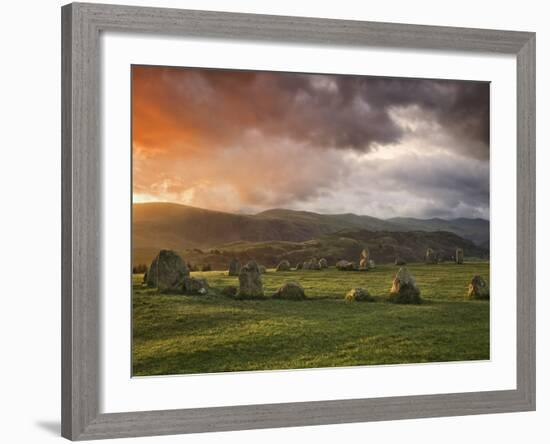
(234, 267)
(323, 263)
(478, 288)
(250, 281)
(364, 259)
(404, 289)
(150, 277)
(167, 272)
(459, 256)
(431, 256)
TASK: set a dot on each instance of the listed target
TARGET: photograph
(288, 220)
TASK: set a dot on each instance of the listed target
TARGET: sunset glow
(242, 141)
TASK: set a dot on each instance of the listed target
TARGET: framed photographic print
(278, 221)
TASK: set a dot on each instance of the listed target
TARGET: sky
(248, 141)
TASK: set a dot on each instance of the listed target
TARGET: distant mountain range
(181, 227)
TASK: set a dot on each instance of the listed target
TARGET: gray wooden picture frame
(81, 175)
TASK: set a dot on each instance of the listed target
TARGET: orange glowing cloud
(249, 141)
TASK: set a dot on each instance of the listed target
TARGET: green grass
(175, 334)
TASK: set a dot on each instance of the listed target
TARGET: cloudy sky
(245, 141)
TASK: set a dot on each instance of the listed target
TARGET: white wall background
(30, 221)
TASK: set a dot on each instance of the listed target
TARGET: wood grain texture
(81, 222)
(81, 206)
(526, 221)
(230, 25)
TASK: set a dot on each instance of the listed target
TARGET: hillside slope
(384, 247)
(477, 230)
(180, 227)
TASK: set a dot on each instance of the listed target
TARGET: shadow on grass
(352, 335)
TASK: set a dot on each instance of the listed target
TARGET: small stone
(290, 291)
(195, 285)
(344, 265)
(312, 264)
(284, 265)
(358, 295)
(323, 263)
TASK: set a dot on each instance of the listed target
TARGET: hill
(477, 230)
(180, 227)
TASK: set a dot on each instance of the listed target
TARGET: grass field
(176, 334)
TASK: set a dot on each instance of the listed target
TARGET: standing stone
(372, 264)
(312, 264)
(151, 274)
(404, 289)
(292, 291)
(167, 272)
(459, 257)
(234, 267)
(284, 265)
(364, 259)
(323, 263)
(431, 257)
(250, 281)
(299, 265)
(478, 288)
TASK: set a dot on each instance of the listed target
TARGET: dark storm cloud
(319, 110)
(248, 141)
(355, 111)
